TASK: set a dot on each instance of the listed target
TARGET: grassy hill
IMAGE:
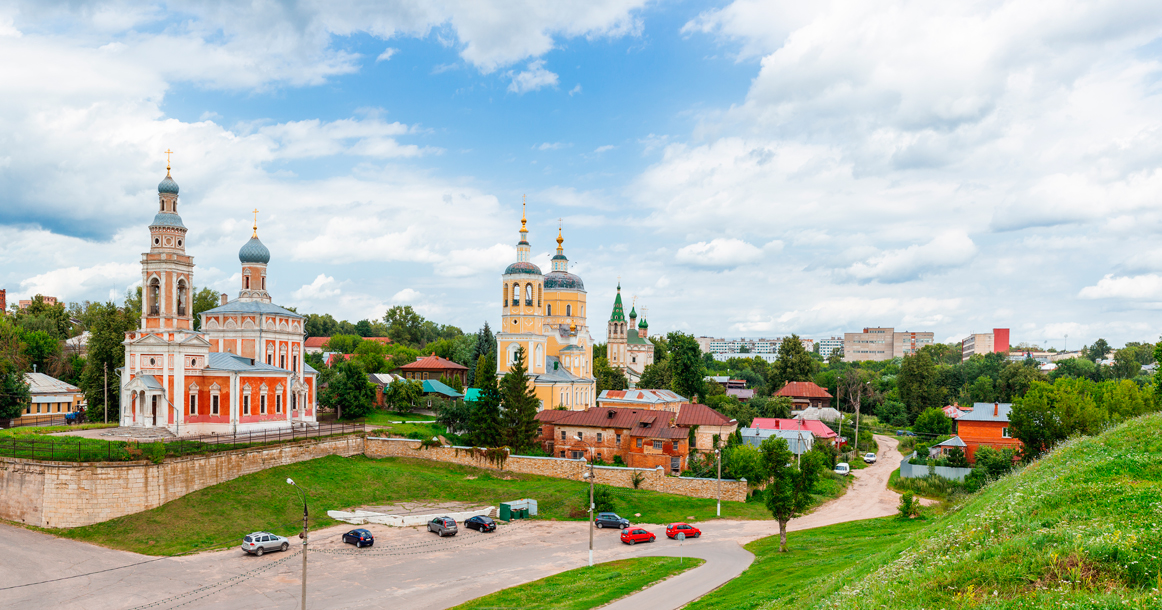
(1080, 528)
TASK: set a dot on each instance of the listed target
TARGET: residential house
(432, 387)
(664, 400)
(433, 367)
(943, 448)
(314, 345)
(986, 425)
(817, 428)
(707, 424)
(799, 441)
(805, 394)
(51, 398)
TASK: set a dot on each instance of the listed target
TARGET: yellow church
(545, 314)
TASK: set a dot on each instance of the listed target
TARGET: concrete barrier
(362, 517)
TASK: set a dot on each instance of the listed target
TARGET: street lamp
(718, 455)
(304, 537)
(591, 515)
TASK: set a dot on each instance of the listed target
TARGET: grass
(380, 416)
(217, 516)
(25, 430)
(819, 562)
(933, 487)
(585, 588)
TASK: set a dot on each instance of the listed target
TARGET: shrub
(603, 499)
(909, 507)
(155, 452)
(637, 479)
(617, 461)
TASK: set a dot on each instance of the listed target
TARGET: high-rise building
(826, 346)
(985, 343)
(880, 343)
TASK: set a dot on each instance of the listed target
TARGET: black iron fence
(74, 449)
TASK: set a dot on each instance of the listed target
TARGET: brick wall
(70, 494)
(563, 468)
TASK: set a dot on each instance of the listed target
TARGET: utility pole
(592, 516)
(304, 537)
(106, 392)
(718, 454)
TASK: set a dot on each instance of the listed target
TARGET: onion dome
(168, 185)
(560, 279)
(522, 267)
(167, 219)
(643, 324)
(633, 312)
(254, 252)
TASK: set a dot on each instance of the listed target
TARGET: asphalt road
(408, 568)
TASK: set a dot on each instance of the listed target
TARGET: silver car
(444, 526)
(261, 542)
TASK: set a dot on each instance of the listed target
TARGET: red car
(634, 535)
(674, 529)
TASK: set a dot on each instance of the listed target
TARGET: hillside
(1080, 528)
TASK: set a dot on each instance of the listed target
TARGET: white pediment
(150, 340)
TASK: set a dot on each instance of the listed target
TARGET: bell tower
(167, 272)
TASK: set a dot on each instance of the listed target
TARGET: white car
(261, 542)
(842, 468)
(869, 458)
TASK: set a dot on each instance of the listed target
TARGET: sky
(743, 168)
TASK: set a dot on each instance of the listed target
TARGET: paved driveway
(408, 568)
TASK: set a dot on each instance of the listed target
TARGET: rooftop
(432, 362)
(642, 396)
(814, 426)
(988, 411)
(39, 383)
(802, 389)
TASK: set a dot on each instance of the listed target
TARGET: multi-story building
(26, 303)
(881, 343)
(767, 349)
(826, 346)
(985, 343)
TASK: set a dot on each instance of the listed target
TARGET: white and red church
(244, 371)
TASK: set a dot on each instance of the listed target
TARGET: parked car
(261, 542)
(635, 535)
(843, 468)
(869, 458)
(674, 529)
(444, 526)
(360, 538)
(610, 520)
(481, 523)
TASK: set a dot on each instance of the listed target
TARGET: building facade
(763, 348)
(987, 424)
(628, 348)
(243, 372)
(52, 399)
(985, 343)
(827, 346)
(545, 315)
(433, 367)
(880, 343)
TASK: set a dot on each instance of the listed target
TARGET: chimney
(996, 409)
(224, 298)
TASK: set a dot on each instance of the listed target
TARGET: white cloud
(951, 249)
(74, 282)
(406, 296)
(575, 90)
(718, 253)
(386, 54)
(552, 146)
(1147, 287)
(606, 148)
(533, 78)
(324, 287)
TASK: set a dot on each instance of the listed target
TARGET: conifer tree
(520, 405)
(484, 421)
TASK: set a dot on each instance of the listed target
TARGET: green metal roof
(632, 338)
(618, 314)
(472, 394)
(431, 386)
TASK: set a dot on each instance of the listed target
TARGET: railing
(54, 419)
(73, 449)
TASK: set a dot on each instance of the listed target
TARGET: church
(628, 349)
(244, 371)
(545, 315)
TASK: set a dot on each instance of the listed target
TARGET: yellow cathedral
(545, 314)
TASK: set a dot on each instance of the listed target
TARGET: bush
(909, 507)
(892, 413)
(603, 499)
(154, 452)
(933, 422)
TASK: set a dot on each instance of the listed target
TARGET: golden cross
(167, 154)
(255, 222)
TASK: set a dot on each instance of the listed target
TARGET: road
(408, 568)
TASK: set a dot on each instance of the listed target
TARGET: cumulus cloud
(324, 287)
(74, 282)
(718, 253)
(406, 296)
(386, 54)
(950, 249)
(1146, 287)
(533, 78)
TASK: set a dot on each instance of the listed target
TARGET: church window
(549, 309)
(264, 282)
(246, 282)
(504, 295)
(182, 296)
(179, 243)
(193, 403)
(214, 404)
(515, 293)
(582, 311)
(282, 360)
(538, 295)
(262, 404)
(568, 310)
(278, 402)
(154, 297)
(528, 294)
(246, 404)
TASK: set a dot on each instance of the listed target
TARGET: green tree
(982, 390)
(363, 328)
(402, 394)
(1034, 420)
(1126, 365)
(41, 348)
(772, 406)
(956, 458)
(685, 365)
(1098, 350)
(352, 394)
(106, 353)
(344, 344)
(204, 300)
(788, 494)
(793, 364)
(933, 422)
(132, 305)
(657, 376)
(1076, 368)
(892, 412)
(520, 405)
(323, 325)
(485, 346)
(744, 462)
(14, 394)
(484, 425)
(1016, 378)
(609, 378)
(917, 383)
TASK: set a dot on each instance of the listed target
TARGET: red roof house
(433, 367)
(817, 428)
(805, 394)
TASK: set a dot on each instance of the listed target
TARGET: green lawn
(219, 516)
(585, 588)
(819, 561)
(380, 416)
(26, 430)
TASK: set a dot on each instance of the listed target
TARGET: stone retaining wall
(71, 494)
(562, 468)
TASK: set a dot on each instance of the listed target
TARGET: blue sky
(747, 168)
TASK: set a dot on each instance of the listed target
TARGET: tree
(344, 344)
(14, 394)
(352, 394)
(956, 458)
(1126, 365)
(485, 346)
(893, 413)
(685, 365)
(402, 394)
(917, 383)
(455, 415)
(933, 422)
(132, 305)
(657, 376)
(982, 390)
(41, 348)
(1076, 368)
(744, 462)
(204, 300)
(794, 364)
(1016, 378)
(320, 325)
(1035, 422)
(484, 427)
(1098, 350)
(520, 405)
(107, 354)
(772, 406)
(789, 493)
(609, 378)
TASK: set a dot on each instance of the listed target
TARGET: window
(1005, 432)
(214, 404)
(181, 298)
(528, 294)
(262, 404)
(549, 309)
(516, 294)
(193, 404)
(246, 282)
(264, 282)
(577, 455)
(154, 297)
(540, 432)
(563, 437)
(278, 402)
(639, 443)
(568, 310)
(562, 453)
(599, 437)
(282, 361)
(246, 405)
(658, 445)
(618, 440)
(580, 436)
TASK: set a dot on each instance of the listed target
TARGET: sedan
(360, 538)
(261, 542)
(869, 458)
(635, 535)
(480, 523)
(444, 526)
(674, 529)
(610, 520)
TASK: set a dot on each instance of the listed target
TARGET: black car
(360, 538)
(610, 520)
(481, 523)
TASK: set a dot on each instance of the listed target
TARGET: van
(842, 468)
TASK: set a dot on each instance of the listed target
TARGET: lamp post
(304, 537)
(591, 515)
(718, 456)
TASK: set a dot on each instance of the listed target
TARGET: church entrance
(153, 411)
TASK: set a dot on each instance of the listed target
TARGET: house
(706, 423)
(432, 387)
(51, 398)
(742, 394)
(433, 367)
(986, 425)
(818, 429)
(805, 395)
(799, 441)
(954, 411)
(943, 448)
(663, 400)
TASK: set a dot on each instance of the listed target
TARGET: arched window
(568, 310)
(528, 294)
(549, 309)
(264, 282)
(182, 297)
(538, 295)
(246, 281)
(504, 295)
(154, 297)
(515, 293)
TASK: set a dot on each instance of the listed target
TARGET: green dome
(522, 267)
(643, 324)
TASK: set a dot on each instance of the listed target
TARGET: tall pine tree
(485, 346)
(484, 421)
(520, 405)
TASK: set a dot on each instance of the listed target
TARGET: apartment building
(767, 349)
(882, 343)
(985, 343)
(826, 346)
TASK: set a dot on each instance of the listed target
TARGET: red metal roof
(433, 362)
(802, 389)
(551, 416)
(691, 414)
(816, 427)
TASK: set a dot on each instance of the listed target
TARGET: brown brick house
(805, 394)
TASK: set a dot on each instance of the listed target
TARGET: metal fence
(74, 449)
(909, 470)
(55, 419)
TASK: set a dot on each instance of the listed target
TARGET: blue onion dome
(167, 219)
(523, 267)
(561, 279)
(560, 257)
(168, 185)
(254, 252)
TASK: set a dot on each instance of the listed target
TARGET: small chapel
(628, 347)
(243, 372)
